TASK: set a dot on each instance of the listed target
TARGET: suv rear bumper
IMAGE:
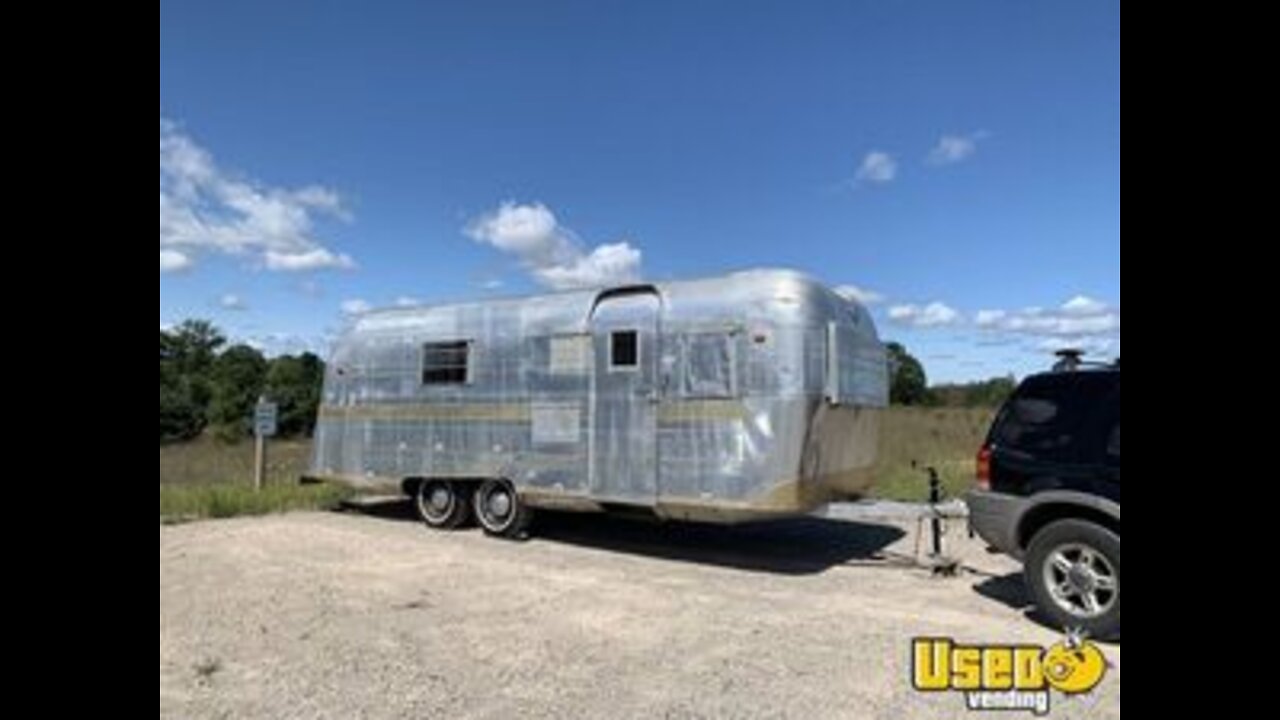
(994, 517)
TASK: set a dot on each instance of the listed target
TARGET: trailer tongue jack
(940, 564)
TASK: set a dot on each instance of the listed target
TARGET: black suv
(1048, 492)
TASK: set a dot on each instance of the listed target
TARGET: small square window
(624, 349)
(445, 363)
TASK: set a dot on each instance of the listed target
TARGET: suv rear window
(1050, 414)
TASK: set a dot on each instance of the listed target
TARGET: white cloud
(1080, 322)
(989, 318)
(173, 261)
(550, 252)
(605, 265)
(526, 230)
(877, 167)
(317, 259)
(858, 294)
(952, 149)
(1057, 324)
(274, 344)
(231, 301)
(1077, 318)
(355, 306)
(206, 210)
(935, 314)
(1083, 305)
(407, 301)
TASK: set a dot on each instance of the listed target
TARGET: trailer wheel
(442, 504)
(499, 510)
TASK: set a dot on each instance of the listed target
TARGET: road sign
(264, 418)
(264, 426)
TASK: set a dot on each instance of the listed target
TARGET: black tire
(1069, 566)
(499, 511)
(442, 505)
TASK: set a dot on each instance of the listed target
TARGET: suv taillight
(984, 468)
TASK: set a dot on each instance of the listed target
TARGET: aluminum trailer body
(753, 394)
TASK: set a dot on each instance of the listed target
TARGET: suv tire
(1073, 570)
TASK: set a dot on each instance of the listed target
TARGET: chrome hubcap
(439, 498)
(499, 504)
(436, 501)
(1081, 580)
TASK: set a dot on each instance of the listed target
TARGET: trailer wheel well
(409, 486)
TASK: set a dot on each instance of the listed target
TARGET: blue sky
(959, 161)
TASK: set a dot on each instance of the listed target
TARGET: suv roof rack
(1069, 359)
(1072, 359)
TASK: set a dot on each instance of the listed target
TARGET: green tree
(186, 356)
(908, 385)
(237, 378)
(993, 392)
(192, 348)
(180, 416)
(979, 393)
(294, 383)
(193, 345)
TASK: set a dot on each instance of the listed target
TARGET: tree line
(909, 385)
(207, 384)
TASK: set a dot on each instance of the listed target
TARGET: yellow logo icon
(1075, 669)
(1007, 677)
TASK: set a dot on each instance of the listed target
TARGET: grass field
(946, 438)
(200, 500)
(209, 478)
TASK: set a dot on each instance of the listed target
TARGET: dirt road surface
(372, 615)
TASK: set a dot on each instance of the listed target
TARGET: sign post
(264, 426)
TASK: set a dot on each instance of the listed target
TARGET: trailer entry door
(625, 399)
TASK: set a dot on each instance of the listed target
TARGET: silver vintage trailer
(730, 398)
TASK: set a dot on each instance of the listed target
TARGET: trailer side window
(624, 349)
(445, 363)
(708, 365)
(568, 354)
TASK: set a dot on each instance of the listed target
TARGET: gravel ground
(372, 615)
